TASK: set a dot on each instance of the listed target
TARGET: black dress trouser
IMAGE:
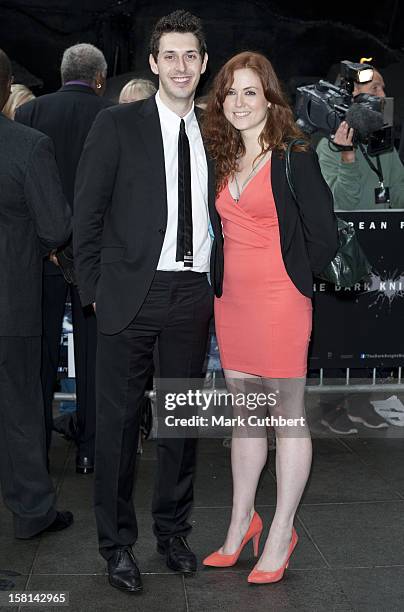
(54, 296)
(176, 314)
(26, 485)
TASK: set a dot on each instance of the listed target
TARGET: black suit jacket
(34, 219)
(121, 211)
(66, 116)
(308, 230)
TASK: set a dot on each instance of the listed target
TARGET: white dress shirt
(170, 128)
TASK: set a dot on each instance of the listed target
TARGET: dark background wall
(301, 41)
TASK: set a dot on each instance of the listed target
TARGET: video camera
(324, 106)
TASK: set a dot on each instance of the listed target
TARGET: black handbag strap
(289, 177)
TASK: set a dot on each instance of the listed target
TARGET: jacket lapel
(212, 192)
(278, 181)
(150, 131)
(213, 214)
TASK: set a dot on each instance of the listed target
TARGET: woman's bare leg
(248, 457)
(293, 463)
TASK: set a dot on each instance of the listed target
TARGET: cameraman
(353, 183)
(348, 174)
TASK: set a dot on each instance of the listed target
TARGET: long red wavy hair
(224, 142)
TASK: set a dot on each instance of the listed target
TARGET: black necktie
(184, 232)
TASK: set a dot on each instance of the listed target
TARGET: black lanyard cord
(377, 170)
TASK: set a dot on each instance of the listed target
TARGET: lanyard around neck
(377, 170)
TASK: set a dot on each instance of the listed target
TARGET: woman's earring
(99, 85)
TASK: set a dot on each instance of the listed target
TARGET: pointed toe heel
(262, 577)
(217, 559)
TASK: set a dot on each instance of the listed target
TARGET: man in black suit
(34, 219)
(142, 259)
(66, 116)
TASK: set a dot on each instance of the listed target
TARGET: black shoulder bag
(350, 264)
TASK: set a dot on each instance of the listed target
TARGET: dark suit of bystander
(34, 219)
(66, 117)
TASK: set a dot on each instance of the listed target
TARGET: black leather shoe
(62, 520)
(84, 465)
(123, 573)
(179, 556)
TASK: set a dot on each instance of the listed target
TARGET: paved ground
(350, 554)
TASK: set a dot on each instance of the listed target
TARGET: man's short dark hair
(178, 21)
(5, 67)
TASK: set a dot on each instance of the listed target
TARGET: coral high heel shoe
(254, 531)
(262, 577)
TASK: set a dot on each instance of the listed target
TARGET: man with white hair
(66, 116)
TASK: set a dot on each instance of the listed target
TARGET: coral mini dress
(263, 322)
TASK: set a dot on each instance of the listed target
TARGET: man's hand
(66, 264)
(343, 136)
(53, 258)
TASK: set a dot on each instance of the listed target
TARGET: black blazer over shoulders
(121, 212)
(308, 231)
(66, 116)
(34, 219)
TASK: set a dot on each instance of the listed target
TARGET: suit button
(162, 230)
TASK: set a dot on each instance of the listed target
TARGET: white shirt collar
(171, 120)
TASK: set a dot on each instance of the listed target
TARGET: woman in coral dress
(263, 307)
